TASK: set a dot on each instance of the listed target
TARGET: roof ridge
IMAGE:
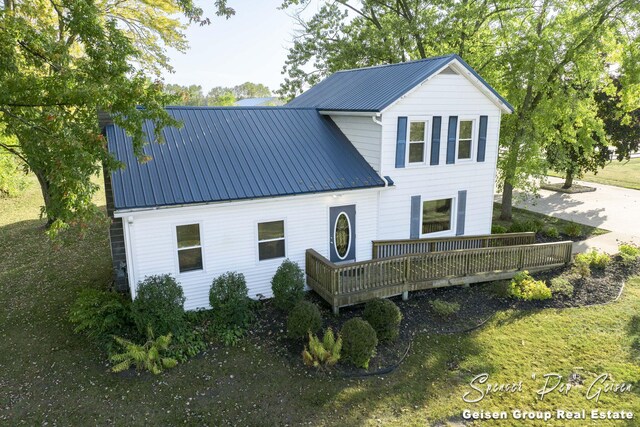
(235, 107)
(450, 55)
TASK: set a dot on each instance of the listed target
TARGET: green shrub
(444, 308)
(148, 356)
(500, 288)
(303, 318)
(287, 285)
(159, 303)
(359, 342)
(573, 229)
(581, 266)
(323, 353)
(526, 288)
(528, 225)
(385, 317)
(231, 306)
(498, 229)
(101, 314)
(188, 344)
(551, 232)
(629, 253)
(561, 286)
(595, 259)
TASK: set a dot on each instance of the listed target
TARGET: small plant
(500, 288)
(443, 308)
(159, 303)
(581, 266)
(561, 286)
(189, 343)
(573, 229)
(359, 342)
(629, 253)
(595, 260)
(148, 356)
(287, 285)
(101, 314)
(231, 306)
(323, 353)
(385, 317)
(551, 232)
(526, 288)
(498, 229)
(525, 226)
(304, 318)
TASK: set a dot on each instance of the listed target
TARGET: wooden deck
(482, 258)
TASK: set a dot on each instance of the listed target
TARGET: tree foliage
(219, 96)
(548, 57)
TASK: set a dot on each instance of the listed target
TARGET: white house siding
(444, 95)
(364, 134)
(229, 238)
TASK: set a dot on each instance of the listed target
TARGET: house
(390, 152)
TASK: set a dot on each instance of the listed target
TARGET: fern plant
(323, 353)
(148, 356)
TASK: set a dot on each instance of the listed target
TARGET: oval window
(342, 235)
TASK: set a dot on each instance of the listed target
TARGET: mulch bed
(574, 189)
(477, 303)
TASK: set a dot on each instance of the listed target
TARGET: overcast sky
(250, 46)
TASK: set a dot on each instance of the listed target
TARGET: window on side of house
(436, 215)
(465, 139)
(271, 240)
(417, 141)
(189, 247)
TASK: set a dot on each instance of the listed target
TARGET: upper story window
(271, 240)
(189, 247)
(417, 141)
(465, 139)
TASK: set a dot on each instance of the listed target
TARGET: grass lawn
(51, 375)
(523, 216)
(621, 174)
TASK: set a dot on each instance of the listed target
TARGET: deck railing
(347, 284)
(387, 248)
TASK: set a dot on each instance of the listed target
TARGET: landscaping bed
(574, 189)
(477, 303)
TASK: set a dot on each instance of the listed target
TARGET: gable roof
(373, 89)
(234, 153)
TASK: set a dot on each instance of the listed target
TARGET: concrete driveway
(612, 208)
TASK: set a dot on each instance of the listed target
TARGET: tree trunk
(507, 202)
(45, 187)
(568, 179)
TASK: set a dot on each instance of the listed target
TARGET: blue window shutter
(401, 141)
(415, 217)
(451, 140)
(482, 138)
(462, 208)
(435, 140)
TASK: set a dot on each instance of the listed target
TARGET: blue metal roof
(234, 153)
(375, 88)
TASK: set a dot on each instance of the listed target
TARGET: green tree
(250, 90)
(186, 95)
(62, 61)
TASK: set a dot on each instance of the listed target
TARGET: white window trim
(474, 137)
(452, 220)
(258, 241)
(428, 120)
(176, 249)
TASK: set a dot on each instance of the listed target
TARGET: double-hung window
(271, 243)
(465, 139)
(417, 140)
(436, 215)
(189, 247)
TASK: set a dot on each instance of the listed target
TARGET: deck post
(405, 295)
(336, 310)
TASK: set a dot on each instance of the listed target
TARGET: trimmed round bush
(359, 342)
(287, 285)
(230, 301)
(303, 318)
(159, 304)
(384, 316)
